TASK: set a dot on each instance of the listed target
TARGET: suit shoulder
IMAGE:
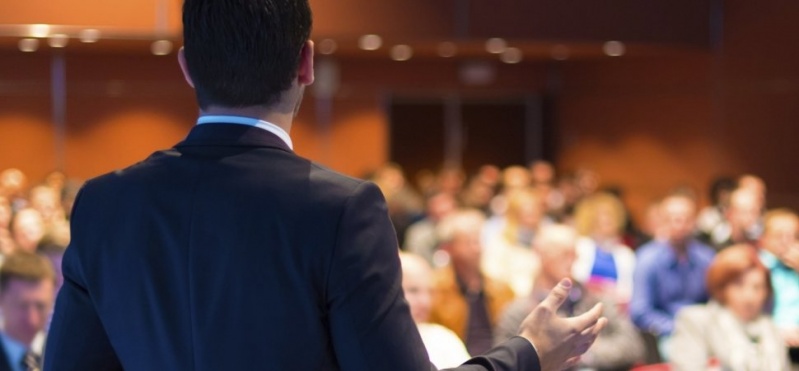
(325, 177)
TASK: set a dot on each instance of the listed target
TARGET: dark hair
(719, 185)
(243, 53)
(25, 266)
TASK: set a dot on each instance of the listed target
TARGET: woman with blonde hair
(604, 263)
(508, 253)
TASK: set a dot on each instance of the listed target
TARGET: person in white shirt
(443, 346)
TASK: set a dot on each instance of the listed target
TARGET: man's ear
(305, 71)
(184, 67)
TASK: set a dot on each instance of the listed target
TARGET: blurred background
(648, 94)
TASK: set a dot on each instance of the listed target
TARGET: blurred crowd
(713, 288)
(691, 288)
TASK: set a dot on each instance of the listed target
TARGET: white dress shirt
(249, 121)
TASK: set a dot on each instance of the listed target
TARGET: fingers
(587, 319)
(571, 363)
(558, 296)
(596, 328)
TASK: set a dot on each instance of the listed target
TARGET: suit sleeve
(370, 323)
(77, 339)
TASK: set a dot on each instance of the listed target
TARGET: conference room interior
(546, 127)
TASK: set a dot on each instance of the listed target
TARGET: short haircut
(461, 221)
(242, 53)
(730, 264)
(25, 266)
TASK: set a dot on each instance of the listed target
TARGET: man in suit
(231, 252)
(27, 285)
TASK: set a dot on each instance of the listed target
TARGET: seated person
(618, 346)
(443, 346)
(780, 254)
(604, 263)
(465, 300)
(731, 330)
(26, 300)
(670, 273)
(421, 238)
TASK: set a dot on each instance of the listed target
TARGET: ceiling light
(496, 45)
(28, 45)
(512, 55)
(89, 35)
(614, 48)
(39, 30)
(161, 47)
(328, 46)
(370, 42)
(401, 52)
(447, 49)
(58, 40)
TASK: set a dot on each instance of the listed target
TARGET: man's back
(229, 250)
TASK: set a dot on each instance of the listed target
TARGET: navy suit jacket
(230, 252)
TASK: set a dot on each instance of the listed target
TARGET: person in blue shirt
(27, 292)
(670, 272)
(780, 254)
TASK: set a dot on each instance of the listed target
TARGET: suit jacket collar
(232, 135)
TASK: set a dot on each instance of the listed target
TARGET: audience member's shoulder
(703, 250)
(650, 250)
(698, 313)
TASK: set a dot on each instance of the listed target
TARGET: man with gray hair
(618, 346)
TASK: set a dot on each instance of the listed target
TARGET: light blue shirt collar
(15, 352)
(249, 121)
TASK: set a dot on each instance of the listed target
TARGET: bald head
(555, 245)
(745, 208)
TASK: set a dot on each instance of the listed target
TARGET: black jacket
(230, 252)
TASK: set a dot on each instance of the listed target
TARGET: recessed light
(328, 46)
(89, 35)
(39, 30)
(496, 45)
(161, 47)
(614, 48)
(370, 42)
(28, 45)
(560, 52)
(401, 52)
(512, 55)
(58, 40)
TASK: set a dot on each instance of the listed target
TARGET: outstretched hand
(561, 341)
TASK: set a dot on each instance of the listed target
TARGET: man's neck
(281, 119)
(470, 277)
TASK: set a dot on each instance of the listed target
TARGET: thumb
(558, 295)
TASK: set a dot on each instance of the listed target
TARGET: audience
(669, 274)
(443, 346)
(604, 263)
(714, 214)
(26, 302)
(492, 239)
(467, 301)
(28, 229)
(421, 238)
(741, 224)
(618, 346)
(731, 331)
(779, 253)
(508, 254)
